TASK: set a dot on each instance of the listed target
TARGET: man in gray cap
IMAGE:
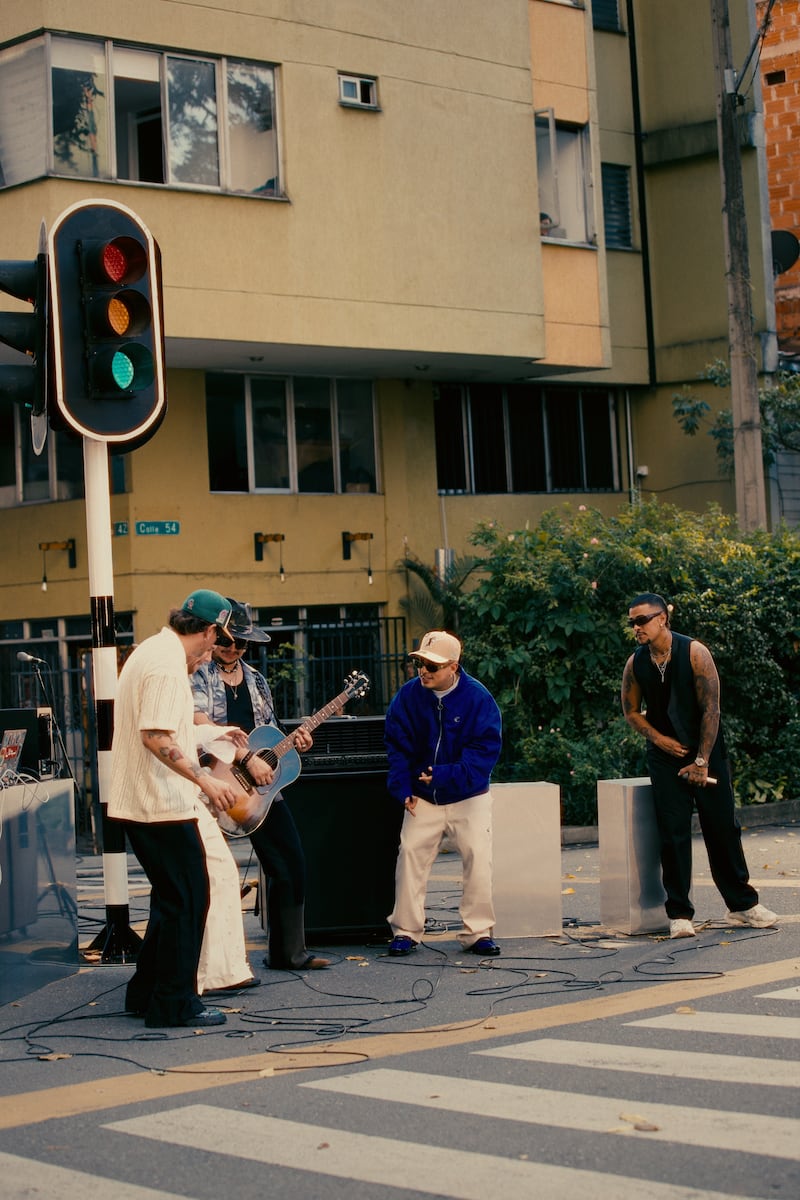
(230, 692)
(155, 779)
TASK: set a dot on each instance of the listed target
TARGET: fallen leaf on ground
(640, 1123)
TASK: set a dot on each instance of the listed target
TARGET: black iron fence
(306, 664)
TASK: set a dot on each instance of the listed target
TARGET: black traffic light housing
(26, 384)
(107, 328)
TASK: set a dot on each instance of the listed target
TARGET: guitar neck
(311, 723)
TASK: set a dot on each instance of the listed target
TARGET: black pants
(280, 852)
(674, 803)
(164, 985)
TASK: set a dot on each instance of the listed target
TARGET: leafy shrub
(545, 629)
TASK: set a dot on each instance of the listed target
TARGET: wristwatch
(700, 761)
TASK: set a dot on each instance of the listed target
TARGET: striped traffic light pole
(117, 942)
(109, 387)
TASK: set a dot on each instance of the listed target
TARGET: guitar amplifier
(350, 830)
(37, 757)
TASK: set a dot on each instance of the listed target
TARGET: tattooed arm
(632, 710)
(706, 689)
(162, 744)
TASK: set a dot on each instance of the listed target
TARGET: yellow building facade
(424, 264)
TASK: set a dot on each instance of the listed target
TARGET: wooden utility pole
(748, 463)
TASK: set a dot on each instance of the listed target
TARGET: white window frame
(554, 207)
(293, 487)
(368, 83)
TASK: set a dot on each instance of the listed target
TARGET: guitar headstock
(356, 685)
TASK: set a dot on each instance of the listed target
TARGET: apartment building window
(617, 206)
(358, 91)
(605, 15)
(303, 434)
(562, 158)
(494, 438)
(55, 474)
(128, 113)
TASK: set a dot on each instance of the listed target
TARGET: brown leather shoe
(312, 963)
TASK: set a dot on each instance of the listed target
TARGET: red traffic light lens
(123, 260)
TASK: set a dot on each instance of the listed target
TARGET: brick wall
(780, 80)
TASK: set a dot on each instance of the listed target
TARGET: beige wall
(575, 293)
(396, 233)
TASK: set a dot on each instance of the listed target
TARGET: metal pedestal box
(527, 859)
(631, 893)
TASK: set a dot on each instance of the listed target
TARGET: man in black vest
(674, 679)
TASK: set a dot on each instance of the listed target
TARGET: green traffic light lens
(122, 371)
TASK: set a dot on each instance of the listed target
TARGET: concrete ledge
(784, 812)
(752, 816)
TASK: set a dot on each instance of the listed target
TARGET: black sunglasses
(642, 619)
(419, 663)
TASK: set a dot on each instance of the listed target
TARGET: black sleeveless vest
(682, 708)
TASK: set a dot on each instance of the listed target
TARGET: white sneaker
(757, 917)
(681, 927)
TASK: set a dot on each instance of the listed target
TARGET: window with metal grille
(617, 206)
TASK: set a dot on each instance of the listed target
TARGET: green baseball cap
(209, 606)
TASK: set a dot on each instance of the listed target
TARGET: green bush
(545, 629)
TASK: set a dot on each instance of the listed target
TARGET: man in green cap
(155, 779)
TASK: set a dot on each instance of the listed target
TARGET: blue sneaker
(401, 945)
(485, 947)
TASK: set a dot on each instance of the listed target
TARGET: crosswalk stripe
(790, 993)
(394, 1163)
(24, 1178)
(679, 1064)
(734, 1024)
(748, 1132)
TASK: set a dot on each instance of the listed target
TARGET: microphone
(23, 657)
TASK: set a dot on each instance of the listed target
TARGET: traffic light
(26, 383)
(108, 336)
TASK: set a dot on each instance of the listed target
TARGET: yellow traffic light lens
(119, 316)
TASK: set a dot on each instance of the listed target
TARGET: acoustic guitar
(277, 750)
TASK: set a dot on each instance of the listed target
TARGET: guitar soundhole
(269, 757)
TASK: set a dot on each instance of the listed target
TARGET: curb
(752, 816)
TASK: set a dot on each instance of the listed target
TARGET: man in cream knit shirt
(155, 778)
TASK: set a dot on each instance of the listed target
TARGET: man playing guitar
(227, 691)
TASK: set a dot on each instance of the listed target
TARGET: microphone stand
(49, 699)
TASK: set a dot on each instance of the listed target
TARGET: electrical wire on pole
(748, 463)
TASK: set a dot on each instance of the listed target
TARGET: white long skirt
(223, 959)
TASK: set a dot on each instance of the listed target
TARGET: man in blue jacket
(443, 738)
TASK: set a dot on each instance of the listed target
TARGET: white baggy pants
(468, 823)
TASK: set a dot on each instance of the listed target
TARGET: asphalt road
(625, 1067)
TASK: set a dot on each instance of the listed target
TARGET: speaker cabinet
(350, 830)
